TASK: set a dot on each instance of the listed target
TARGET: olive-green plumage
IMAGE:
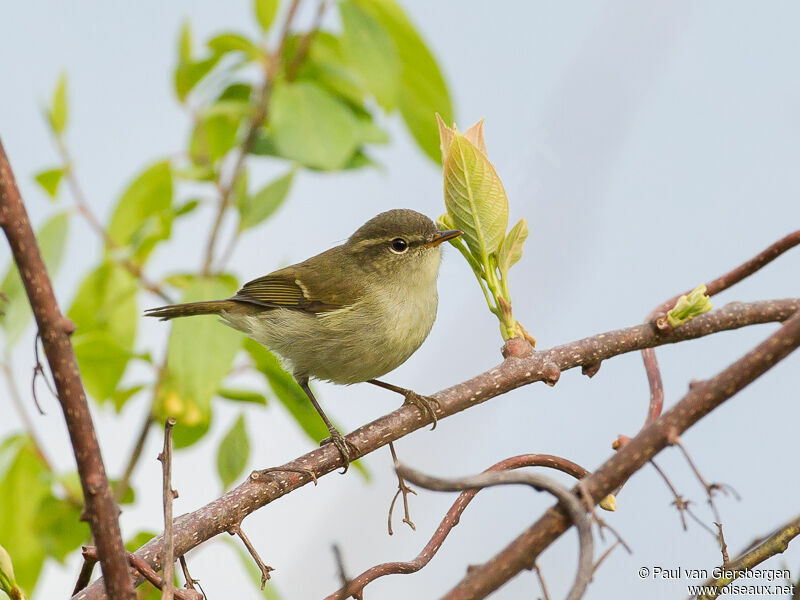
(350, 314)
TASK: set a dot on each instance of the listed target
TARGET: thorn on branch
(265, 569)
(591, 369)
(551, 373)
(402, 488)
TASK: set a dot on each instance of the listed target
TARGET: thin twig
(713, 287)
(85, 576)
(219, 515)
(569, 501)
(190, 581)
(19, 406)
(679, 502)
(402, 488)
(343, 577)
(698, 402)
(264, 568)
(168, 495)
(356, 586)
(540, 579)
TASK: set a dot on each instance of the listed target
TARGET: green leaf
(58, 106)
(475, 197)
(291, 395)
(52, 239)
(265, 12)
(105, 315)
(311, 126)
(213, 137)
(423, 91)
(121, 396)
(200, 352)
(185, 43)
(58, 527)
(511, 249)
(139, 540)
(49, 180)
(327, 66)
(23, 486)
(234, 450)
(233, 42)
(261, 205)
(242, 396)
(188, 74)
(143, 216)
(371, 51)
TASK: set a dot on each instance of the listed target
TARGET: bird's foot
(426, 404)
(345, 447)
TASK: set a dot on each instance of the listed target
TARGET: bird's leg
(337, 439)
(426, 404)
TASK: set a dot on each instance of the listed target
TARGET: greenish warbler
(348, 315)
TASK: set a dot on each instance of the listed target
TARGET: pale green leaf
(185, 43)
(49, 180)
(58, 527)
(58, 106)
(188, 74)
(23, 486)
(213, 137)
(511, 249)
(238, 395)
(423, 91)
(475, 197)
(265, 12)
(311, 126)
(327, 66)
(233, 452)
(372, 52)
(52, 239)
(143, 215)
(261, 205)
(105, 315)
(200, 352)
(233, 42)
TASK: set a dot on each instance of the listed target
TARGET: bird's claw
(343, 445)
(426, 404)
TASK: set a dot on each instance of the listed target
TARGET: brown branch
(219, 515)
(146, 571)
(568, 500)
(356, 586)
(55, 330)
(168, 495)
(776, 543)
(403, 489)
(701, 400)
(262, 566)
(713, 287)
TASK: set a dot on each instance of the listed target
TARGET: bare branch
(219, 515)
(701, 400)
(168, 495)
(568, 500)
(55, 329)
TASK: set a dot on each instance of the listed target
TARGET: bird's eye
(398, 245)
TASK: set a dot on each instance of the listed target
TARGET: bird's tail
(190, 309)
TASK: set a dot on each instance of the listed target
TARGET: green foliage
(49, 180)
(238, 395)
(312, 126)
(16, 312)
(23, 487)
(200, 352)
(105, 315)
(422, 91)
(57, 113)
(265, 12)
(256, 208)
(233, 452)
(143, 215)
(233, 42)
(8, 583)
(477, 204)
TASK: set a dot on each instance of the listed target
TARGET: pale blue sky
(651, 146)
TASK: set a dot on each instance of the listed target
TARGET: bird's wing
(295, 287)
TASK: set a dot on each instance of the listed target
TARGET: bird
(350, 314)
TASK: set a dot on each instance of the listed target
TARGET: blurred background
(650, 146)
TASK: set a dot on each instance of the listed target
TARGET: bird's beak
(443, 236)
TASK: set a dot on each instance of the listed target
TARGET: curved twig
(713, 287)
(355, 586)
(569, 501)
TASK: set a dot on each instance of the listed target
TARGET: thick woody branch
(55, 329)
(703, 397)
(221, 514)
